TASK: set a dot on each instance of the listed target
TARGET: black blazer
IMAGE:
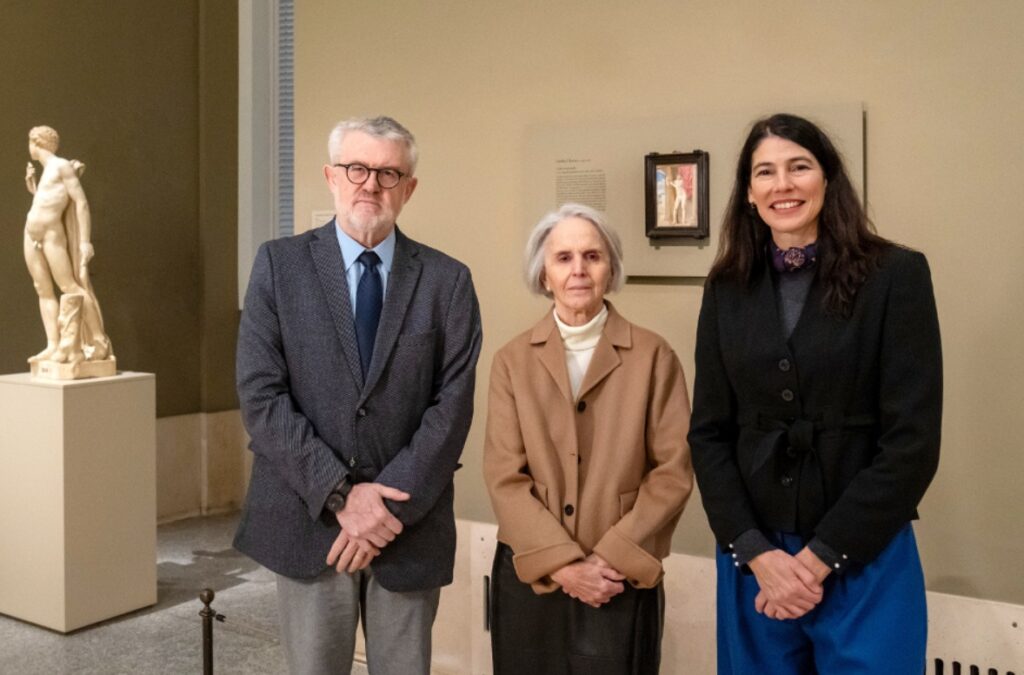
(833, 433)
(313, 420)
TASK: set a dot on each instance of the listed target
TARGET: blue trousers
(871, 620)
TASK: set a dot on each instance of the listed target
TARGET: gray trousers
(319, 617)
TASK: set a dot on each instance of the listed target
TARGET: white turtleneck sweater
(579, 343)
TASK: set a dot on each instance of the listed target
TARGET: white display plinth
(77, 498)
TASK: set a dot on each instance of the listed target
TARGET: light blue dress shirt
(350, 252)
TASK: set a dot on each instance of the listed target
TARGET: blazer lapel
(769, 315)
(405, 274)
(606, 358)
(330, 268)
(551, 354)
(811, 314)
(762, 328)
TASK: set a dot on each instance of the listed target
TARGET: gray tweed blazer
(313, 420)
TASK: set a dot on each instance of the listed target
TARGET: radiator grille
(968, 636)
(943, 667)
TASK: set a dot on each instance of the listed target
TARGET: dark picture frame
(676, 195)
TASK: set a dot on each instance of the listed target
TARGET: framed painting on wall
(676, 195)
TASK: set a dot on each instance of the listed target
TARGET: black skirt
(554, 634)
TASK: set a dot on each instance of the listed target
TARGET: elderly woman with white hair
(587, 465)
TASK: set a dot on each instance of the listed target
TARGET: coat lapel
(405, 274)
(551, 353)
(606, 358)
(330, 269)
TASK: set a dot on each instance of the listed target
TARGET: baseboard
(202, 464)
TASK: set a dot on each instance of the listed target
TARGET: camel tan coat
(608, 472)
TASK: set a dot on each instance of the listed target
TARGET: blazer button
(361, 412)
(787, 395)
(581, 406)
(569, 510)
(785, 365)
(787, 481)
(790, 452)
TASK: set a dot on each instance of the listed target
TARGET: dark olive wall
(145, 93)
(218, 201)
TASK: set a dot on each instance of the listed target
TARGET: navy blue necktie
(369, 299)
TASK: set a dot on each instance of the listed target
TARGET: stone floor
(167, 638)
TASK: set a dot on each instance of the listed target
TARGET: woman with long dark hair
(816, 418)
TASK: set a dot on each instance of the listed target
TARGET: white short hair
(533, 259)
(380, 127)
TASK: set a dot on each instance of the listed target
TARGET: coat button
(785, 365)
(790, 452)
(361, 412)
(581, 406)
(787, 395)
(787, 481)
(569, 510)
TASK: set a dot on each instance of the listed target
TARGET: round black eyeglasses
(359, 174)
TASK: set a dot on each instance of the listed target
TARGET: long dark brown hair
(848, 247)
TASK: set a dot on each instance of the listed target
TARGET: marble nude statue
(58, 249)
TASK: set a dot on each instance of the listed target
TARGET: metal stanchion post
(208, 614)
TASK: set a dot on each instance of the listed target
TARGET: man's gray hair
(380, 127)
(533, 260)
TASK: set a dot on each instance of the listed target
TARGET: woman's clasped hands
(790, 585)
(592, 580)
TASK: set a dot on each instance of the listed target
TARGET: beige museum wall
(942, 84)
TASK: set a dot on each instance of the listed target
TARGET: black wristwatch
(336, 500)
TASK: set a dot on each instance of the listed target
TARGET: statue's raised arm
(30, 178)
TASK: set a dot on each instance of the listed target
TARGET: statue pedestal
(51, 370)
(77, 498)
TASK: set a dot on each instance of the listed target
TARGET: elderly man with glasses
(357, 353)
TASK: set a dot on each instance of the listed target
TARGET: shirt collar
(793, 259)
(352, 249)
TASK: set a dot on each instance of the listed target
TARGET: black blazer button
(787, 395)
(581, 406)
(790, 452)
(361, 412)
(787, 481)
(569, 510)
(785, 365)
